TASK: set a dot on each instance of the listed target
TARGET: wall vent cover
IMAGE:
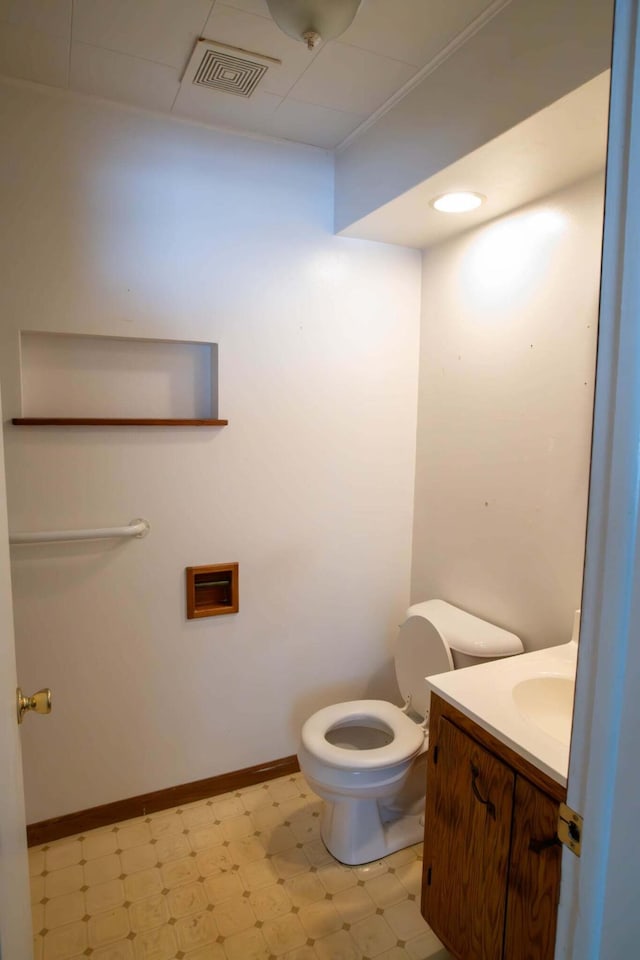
(216, 66)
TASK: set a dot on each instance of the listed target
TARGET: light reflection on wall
(509, 258)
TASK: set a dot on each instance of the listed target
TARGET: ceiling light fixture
(313, 20)
(459, 202)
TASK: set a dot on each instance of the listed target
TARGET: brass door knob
(40, 702)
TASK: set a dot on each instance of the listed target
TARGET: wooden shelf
(112, 422)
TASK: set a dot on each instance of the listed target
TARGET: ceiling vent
(217, 66)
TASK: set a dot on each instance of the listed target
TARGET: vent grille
(218, 66)
(222, 71)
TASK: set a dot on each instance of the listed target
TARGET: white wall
(508, 345)
(123, 223)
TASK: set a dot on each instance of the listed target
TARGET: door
(15, 914)
(598, 917)
(466, 849)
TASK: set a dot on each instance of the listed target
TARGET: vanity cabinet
(491, 856)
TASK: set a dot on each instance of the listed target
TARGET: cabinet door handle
(475, 773)
(538, 846)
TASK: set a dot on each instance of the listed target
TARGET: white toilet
(367, 758)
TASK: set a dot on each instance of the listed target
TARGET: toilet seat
(408, 737)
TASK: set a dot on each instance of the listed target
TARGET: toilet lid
(420, 652)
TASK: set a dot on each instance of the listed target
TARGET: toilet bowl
(366, 759)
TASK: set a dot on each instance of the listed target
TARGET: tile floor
(243, 876)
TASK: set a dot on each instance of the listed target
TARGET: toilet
(367, 758)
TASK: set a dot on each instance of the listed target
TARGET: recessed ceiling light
(459, 202)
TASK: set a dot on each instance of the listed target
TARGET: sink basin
(526, 702)
(548, 703)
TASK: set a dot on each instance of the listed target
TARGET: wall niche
(79, 379)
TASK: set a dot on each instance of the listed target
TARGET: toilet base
(354, 832)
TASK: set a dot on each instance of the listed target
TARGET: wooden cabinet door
(534, 876)
(467, 834)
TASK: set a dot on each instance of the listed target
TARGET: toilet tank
(436, 637)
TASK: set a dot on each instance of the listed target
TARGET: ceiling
(136, 51)
(565, 142)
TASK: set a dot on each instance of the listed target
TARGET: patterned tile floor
(243, 876)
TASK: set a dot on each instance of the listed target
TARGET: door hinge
(429, 877)
(435, 753)
(570, 825)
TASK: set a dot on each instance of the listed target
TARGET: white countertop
(485, 694)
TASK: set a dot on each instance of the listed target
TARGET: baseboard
(84, 820)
